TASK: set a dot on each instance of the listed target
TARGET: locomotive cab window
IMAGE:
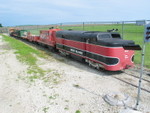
(91, 40)
(115, 35)
(102, 36)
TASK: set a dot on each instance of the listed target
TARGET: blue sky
(38, 12)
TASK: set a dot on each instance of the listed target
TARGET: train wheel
(93, 64)
(64, 53)
(50, 48)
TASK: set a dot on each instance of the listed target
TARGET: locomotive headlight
(126, 57)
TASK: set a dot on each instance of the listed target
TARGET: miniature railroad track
(132, 84)
(130, 73)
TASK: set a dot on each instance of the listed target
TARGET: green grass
(53, 96)
(78, 111)
(37, 31)
(27, 55)
(45, 109)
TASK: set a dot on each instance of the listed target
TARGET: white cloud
(74, 10)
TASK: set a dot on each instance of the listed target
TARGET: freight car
(18, 33)
(99, 49)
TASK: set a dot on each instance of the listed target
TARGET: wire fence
(129, 30)
(132, 30)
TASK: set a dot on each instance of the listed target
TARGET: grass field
(37, 31)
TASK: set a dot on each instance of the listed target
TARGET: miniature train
(105, 50)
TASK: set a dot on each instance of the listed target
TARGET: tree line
(1, 25)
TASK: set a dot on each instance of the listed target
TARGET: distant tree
(1, 25)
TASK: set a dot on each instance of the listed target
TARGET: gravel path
(68, 86)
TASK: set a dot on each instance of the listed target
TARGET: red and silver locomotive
(99, 49)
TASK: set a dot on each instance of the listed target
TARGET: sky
(43, 12)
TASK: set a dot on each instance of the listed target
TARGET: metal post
(140, 78)
(122, 29)
(83, 26)
(141, 74)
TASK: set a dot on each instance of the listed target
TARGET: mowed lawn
(128, 32)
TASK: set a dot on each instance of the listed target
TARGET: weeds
(78, 111)
(45, 109)
(76, 85)
(53, 96)
(66, 108)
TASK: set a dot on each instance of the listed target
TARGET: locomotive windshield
(102, 36)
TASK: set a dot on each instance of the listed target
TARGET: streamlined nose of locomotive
(129, 58)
